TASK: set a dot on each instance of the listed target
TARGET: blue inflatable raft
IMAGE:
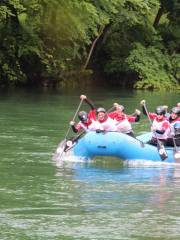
(119, 145)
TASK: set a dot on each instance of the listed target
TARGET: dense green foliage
(135, 42)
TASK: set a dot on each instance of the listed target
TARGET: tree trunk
(158, 16)
(92, 48)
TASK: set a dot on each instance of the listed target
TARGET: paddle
(74, 117)
(72, 142)
(141, 142)
(65, 138)
(176, 151)
(160, 146)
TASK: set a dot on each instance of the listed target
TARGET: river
(98, 200)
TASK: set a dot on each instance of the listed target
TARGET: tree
(132, 44)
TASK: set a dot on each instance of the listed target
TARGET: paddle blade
(60, 150)
(162, 152)
(177, 155)
(69, 144)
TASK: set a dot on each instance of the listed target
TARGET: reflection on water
(120, 173)
(129, 197)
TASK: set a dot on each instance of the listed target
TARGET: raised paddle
(74, 117)
(160, 146)
(65, 138)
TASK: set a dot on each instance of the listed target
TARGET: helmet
(160, 110)
(83, 116)
(100, 109)
(121, 107)
(175, 110)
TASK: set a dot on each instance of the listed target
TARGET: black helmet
(83, 116)
(160, 110)
(100, 109)
(176, 110)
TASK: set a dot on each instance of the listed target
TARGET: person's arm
(160, 131)
(92, 115)
(151, 115)
(89, 102)
(135, 117)
(112, 115)
(142, 103)
(72, 124)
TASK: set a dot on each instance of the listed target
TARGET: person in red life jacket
(174, 121)
(84, 117)
(123, 120)
(160, 126)
(119, 114)
(103, 121)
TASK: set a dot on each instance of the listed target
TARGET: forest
(56, 43)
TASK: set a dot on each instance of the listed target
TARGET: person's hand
(153, 129)
(69, 143)
(142, 102)
(115, 105)
(82, 97)
(72, 123)
(137, 112)
(165, 107)
(99, 131)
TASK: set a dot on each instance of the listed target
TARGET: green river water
(100, 200)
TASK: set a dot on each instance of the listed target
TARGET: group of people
(165, 126)
(99, 120)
